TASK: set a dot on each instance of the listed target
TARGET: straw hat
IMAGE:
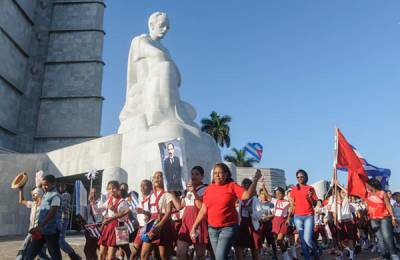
(19, 180)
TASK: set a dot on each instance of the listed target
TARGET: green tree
(218, 127)
(239, 158)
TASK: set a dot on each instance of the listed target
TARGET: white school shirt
(281, 208)
(189, 198)
(256, 211)
(143, 204)
(344, 210)
(162, 203)
(103, 208)
(320, 213)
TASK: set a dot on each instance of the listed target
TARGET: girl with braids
(219, 205)
(115, 211)
(302, 198)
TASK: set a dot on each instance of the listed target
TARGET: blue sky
(286, 71)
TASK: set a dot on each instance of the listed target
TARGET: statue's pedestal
(140, 154)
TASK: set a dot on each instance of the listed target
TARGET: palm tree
(218, 127)
(239, 158)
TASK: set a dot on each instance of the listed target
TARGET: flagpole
(335, 180)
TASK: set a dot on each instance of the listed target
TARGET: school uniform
(189, 216)
(280, 212)
(319, 224)
(158, 205)
(111, 207)
(249, 235)
(346, 228)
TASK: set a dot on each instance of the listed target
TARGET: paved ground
(10, 245)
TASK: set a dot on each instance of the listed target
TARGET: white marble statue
(154, 113)
(153, 82)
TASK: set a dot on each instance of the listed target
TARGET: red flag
(347, 158)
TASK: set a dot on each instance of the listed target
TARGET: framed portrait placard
(173, 161)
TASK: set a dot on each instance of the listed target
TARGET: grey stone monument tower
(50, 73)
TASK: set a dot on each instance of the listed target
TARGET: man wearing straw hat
(33, 204)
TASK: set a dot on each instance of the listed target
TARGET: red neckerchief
(158, 197)
(113, 206)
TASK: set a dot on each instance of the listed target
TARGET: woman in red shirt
(302, 198)
(382, 217)
(219, 205)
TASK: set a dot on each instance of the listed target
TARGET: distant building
(50, 73)
(273, 177)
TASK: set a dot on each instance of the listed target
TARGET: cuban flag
(134, 200)
(255, 150)
(94, 230)
(381, 174)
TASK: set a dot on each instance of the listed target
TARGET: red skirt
(108, 237)
(248, 237)
(279, 225)
(188, 218)
(167, 234)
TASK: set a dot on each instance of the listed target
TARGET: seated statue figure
(153, 80)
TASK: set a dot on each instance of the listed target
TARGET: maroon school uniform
(189, 216)
(281, 210)
(158, 203)
(112, 206)
(249, 235)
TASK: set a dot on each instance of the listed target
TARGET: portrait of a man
(172, 166)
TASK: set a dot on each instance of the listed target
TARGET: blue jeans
(383, 230)
(305, 227)
(26, 246)
(222, 240)
(63, 244)
(52, 246)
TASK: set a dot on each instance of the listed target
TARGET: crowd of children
(222, 220)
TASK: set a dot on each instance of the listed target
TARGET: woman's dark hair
(113, 184)
(199, 169)
(375, 184)
(305, 175)
(280, 189)
(49, 178)
(225, 169)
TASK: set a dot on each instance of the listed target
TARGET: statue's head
(158, 25)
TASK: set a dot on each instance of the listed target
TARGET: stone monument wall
(50, 74)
